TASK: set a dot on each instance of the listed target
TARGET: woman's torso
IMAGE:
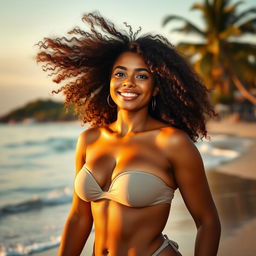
(120, 229)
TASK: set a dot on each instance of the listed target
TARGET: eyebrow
(136, 69)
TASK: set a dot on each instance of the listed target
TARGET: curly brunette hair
(85, 60)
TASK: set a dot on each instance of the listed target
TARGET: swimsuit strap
(166, 242)
(173, 244)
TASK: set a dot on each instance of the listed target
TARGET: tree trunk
(243, 90)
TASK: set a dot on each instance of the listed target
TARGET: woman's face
(131, 83)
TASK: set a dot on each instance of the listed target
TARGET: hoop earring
(153, 103)
(108, 101)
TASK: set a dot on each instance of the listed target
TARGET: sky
(25, 22)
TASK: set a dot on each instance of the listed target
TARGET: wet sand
(235, 198)
(233, 187)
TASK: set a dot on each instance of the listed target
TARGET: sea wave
(222, 149)
(22, 165)
(29, 190)
(23, 250)
(53, 198)
(58, 144)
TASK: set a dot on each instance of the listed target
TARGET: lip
(128, 98)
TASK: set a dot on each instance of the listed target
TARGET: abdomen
(119, 227)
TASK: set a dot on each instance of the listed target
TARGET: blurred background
(37, 143)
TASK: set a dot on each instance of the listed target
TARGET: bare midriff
(122, 230)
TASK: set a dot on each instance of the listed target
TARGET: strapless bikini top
(131, 188)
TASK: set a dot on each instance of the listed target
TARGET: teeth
(128, 94)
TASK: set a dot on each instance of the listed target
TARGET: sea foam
(53, 198)
(23, 250)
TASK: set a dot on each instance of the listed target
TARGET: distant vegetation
(40, 111)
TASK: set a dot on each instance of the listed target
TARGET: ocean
(37, 170)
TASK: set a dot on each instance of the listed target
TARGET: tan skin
(135, 141)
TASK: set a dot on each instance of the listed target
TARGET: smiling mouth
(128, 95)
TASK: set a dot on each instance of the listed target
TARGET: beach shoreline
(232, 185)
(244, 165)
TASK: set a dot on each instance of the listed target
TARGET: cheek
(148, 88)
(112, 88)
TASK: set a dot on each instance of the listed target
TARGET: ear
(156, 90)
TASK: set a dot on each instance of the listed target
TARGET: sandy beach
(233, 186)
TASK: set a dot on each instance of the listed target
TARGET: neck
(129, 122)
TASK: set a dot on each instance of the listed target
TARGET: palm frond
(230, 31)
(243, 14)
(240, 48)
(188, 29)
(197, 6)
(248, 26)
(232, 8)
(190, 49)
(207, 14)
(222, 16)
(189, 26)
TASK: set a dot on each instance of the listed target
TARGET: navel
(105, 251)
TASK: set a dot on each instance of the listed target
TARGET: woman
(146, 107)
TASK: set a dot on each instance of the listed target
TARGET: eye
(142, 76)
(119, 74)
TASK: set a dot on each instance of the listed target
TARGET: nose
(128, 82)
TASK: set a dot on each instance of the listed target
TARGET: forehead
(130, 60)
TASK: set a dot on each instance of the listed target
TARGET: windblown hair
(84, 62)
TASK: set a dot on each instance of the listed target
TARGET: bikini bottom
(167, 242)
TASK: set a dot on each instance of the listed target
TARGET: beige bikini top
(131, 188)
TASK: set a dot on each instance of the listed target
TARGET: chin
(130, 107)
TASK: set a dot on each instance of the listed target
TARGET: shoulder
(175, 137)
(88, 136)
(178, 145)
(85, 138)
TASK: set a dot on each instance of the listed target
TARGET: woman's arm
(79, 222)
(192, 182)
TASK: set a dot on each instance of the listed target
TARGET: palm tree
(221, 59)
